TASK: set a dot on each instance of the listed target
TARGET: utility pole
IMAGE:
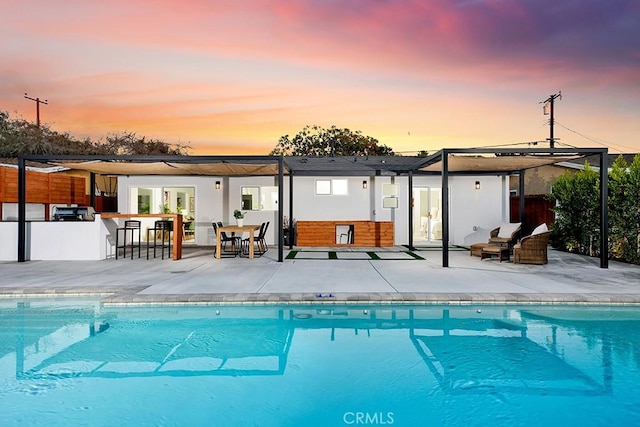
(547, 109)
(38, 102)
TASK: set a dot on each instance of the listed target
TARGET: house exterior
(324, 195)
(444, 199)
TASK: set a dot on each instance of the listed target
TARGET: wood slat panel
(365, 233)
(43, 187)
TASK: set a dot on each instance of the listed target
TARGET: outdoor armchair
(532, 249)
(506, 235)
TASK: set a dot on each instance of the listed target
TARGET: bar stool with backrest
(130, 225)
(164, 228)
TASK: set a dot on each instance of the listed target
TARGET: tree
(624, 210)
(128, 143)
(18, 136)
(317, 141)
(576, 227)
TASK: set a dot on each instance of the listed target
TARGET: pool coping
(130, 296)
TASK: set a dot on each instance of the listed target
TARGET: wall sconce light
(217, 185)
(477, 185)
(364, 184)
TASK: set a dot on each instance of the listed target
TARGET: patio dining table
(251, 229)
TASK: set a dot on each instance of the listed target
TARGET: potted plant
(289, 229)
(239, 216)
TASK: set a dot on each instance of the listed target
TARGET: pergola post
(604, 209)
(280, 208)
(92, 189)
(410, 198)
(445, 208)
(291, 230)
(521, 196)
(22, 211)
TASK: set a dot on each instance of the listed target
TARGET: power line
(597, 141)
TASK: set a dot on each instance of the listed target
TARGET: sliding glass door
(427, 220)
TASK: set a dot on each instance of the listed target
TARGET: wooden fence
(537, 209)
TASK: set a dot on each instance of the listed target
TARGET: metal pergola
(349, 166)
(443, 157)
(166, 159)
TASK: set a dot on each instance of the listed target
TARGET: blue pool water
(79, 363)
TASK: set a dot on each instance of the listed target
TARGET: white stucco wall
(8, 241)
(486, 207)
(68, 240)
(57, 240)
(482, 208)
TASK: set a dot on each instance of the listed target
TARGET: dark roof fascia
(350, 165)
(467, 173)
(350, 172)
(526, 151)
(151, 159)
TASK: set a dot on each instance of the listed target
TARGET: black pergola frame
(22, 181)
(443, 156)
(440, 156)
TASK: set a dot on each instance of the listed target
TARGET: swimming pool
(79, 363)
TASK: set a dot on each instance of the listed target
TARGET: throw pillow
(507, 229)
(540, 229)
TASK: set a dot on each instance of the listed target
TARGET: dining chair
(259, 241)
(224, 239)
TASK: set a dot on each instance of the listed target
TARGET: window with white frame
(332, 187)
(254, 198)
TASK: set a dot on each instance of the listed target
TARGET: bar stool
(129, 226)
(165, 228)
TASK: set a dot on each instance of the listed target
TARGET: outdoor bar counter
(177, 226)
(349, 232)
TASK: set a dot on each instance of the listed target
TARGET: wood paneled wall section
(42, 187)
(365, 233)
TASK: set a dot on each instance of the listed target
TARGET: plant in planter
(239, 216)
(289, 229)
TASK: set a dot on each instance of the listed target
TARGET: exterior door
(427, 219)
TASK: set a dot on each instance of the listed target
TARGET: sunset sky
(231, 77)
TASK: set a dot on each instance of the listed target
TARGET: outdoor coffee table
(476, 249)
(491, 250)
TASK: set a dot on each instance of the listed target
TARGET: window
(323, 187)
(340, 187)
(250, 198)
(335, 187)
(259, 198)
(269, 198)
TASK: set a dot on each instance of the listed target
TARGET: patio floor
(314, 275)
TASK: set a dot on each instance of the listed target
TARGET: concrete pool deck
(390, 275)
